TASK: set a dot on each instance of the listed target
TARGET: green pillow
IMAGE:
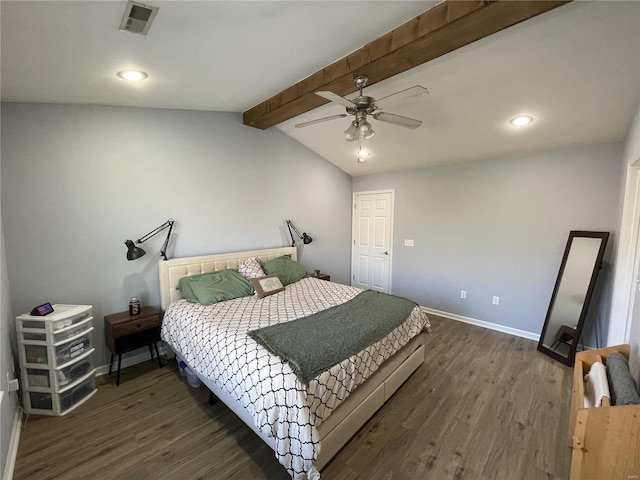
(219, 286)
(287, 270)
(184, 285)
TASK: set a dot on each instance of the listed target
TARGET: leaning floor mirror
(572, 293)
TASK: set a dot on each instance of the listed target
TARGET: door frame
(627, 263)
(392, 191)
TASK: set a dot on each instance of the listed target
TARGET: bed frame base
(354, 412)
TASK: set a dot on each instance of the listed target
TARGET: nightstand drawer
(136, 339)
(138, 325)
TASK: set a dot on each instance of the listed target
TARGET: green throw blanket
(314, 344)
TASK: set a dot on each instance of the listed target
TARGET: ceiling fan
(361, 106)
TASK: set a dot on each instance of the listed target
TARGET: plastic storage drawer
(64, 401)
(63, 316)
(61, 377)
(33, 335)
(62, 353)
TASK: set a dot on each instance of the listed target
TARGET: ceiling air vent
(137, 18)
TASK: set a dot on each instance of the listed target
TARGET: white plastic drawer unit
(56, 359)
(62, 402)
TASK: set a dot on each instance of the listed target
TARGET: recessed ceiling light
(132, 75)
(521, 120)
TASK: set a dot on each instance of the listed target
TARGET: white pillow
(251, 268)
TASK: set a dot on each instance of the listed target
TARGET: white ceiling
(200, 55)
(576, 69)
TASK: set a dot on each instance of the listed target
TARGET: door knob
(385, 253)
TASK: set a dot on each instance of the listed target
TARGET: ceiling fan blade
(345, 102)
(397, 120)
(402, 95)
(320, 120)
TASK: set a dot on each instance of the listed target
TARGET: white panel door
(372, 236)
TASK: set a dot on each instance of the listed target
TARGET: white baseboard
(12, 452)
(483, 324)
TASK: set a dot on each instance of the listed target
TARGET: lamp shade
(363, 127)
(133, 252)
(352, 132)
(292, 228)
(369, 134)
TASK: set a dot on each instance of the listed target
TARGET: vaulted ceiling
(575, 69)
(440, 30)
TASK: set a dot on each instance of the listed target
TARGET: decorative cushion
(251, 268)
(219, 286)
(621, 384)
(288, 270)
(266, 285)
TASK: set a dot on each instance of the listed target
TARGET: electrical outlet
(408, 243)
(463, 294)
(496, 300)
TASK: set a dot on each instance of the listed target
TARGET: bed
(305, 424)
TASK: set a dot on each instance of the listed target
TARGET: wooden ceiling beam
(440, 30)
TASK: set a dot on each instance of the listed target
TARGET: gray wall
(499, 227)
(79, 180)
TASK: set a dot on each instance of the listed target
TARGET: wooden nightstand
(124, 332)
(322, 276)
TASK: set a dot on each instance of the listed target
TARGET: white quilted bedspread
(213, 340)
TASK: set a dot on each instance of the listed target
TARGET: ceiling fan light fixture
(362, 106)
(363, 127)
(352, 132)
(369, 134)
(362, 153)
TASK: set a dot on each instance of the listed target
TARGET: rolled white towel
(596, 386)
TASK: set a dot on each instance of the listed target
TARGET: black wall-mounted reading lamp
(306, 239)
(134, 251)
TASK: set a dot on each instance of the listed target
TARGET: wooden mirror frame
(570, 358)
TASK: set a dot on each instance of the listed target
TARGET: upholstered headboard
(171, 271)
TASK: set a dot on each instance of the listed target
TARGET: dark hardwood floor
(483, 406)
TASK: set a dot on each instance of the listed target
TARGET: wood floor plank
(483, 406)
